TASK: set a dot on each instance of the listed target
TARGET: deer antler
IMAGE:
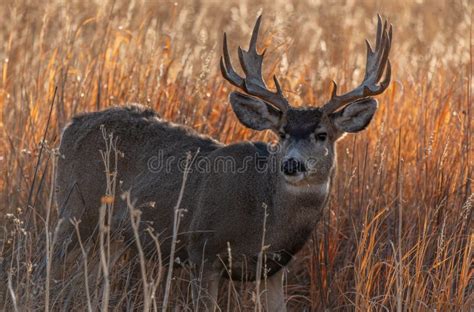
(377, 63)
(251, 63)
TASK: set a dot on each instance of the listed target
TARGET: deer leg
(205, 288)
(275, 295)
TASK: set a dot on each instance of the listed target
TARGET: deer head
(307, 134)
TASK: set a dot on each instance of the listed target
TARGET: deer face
(307, 135)
(308, 138)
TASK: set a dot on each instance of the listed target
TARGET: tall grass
(398, 231)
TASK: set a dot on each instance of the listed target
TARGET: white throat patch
(319, 189)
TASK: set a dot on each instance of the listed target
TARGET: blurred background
(398, 230)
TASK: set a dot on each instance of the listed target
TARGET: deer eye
(321, 136)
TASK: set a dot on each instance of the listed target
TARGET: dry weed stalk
(177, 217)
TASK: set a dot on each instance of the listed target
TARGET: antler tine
(250, 60)
(227, 69)
(377, 63)
(251, 63)
(378, 37)
(254, 37)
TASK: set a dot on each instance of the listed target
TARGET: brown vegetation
(398, 231)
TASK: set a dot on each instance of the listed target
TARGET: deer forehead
(301, 122)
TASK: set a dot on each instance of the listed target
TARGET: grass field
(397, 235)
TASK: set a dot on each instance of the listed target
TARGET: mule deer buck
(223, 224)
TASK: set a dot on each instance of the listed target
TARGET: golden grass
(398, 233)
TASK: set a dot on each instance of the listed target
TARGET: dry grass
(398, 234)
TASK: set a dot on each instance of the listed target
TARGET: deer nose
(292, 166)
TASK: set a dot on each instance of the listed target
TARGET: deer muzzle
(293, 167)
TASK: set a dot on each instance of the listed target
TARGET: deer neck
(295, 212)
(300, 203)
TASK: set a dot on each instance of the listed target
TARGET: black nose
(292, 166)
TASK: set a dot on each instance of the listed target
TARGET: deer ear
(355, 116)
(254, 113)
